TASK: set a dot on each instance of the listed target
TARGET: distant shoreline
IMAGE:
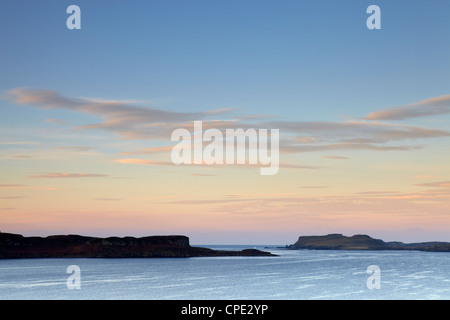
(16, 246)
(337, 241)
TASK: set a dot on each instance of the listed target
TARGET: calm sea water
(304, 274)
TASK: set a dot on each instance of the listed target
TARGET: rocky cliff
(14, 246)
(338, 241)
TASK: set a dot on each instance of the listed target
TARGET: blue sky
(363, 115)
(299, 57)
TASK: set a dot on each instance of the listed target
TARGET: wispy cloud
(371, 193)
(11, 185)
(336, 157)
(55, 121)
(130, 120)
(168, 163)
(218, 111)
(74, 148)
(22, 186)
(429, 107)
(437, 190)
(353, 135)
(312, 187)
(379, 202)
(254, 117)
(344, 146)
(33, 143)
(12, 197)
(149, 150)
(16, 157)
(357, 131)
(122, 117)
(145, 162)
(69, 175)
(297, 166)
(438, 184)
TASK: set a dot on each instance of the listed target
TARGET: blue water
(303, 274)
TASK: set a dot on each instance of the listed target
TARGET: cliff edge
(337, 241)
(14, 246)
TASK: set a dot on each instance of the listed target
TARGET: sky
(86, 117)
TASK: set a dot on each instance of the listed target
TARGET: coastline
(16, 246)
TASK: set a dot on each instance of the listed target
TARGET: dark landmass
(15, 246)
(338, 241)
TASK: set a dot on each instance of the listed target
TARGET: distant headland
(15, 246)
(337, 241)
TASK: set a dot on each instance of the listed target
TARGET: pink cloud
(439, 184)
(69, 175)
(145, 162)
(429, 107)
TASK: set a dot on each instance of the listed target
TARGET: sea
(292, 275)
